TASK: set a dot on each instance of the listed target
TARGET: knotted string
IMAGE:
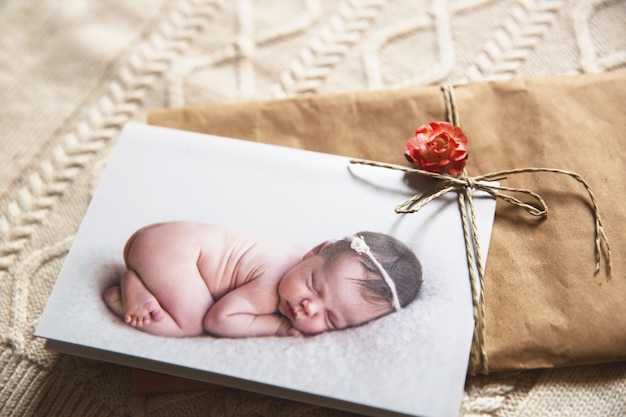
(464, 185)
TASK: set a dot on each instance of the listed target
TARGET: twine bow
(463, 185)
(484, 183)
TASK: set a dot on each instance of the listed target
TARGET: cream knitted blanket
(73, 72)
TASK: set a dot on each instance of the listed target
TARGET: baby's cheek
(309, 327)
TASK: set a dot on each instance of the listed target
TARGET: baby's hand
(294, 332)
(286, 329)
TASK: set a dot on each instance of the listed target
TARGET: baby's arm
(248, 311)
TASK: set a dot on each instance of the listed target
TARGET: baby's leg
(162, 292)
(134, 303)
(139, 303)
(166, 326)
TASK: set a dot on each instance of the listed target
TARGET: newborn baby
(185, 279)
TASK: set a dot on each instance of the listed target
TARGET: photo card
(269, 269)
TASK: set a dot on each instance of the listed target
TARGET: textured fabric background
(73, 72)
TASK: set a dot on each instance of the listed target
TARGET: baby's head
(349, 282)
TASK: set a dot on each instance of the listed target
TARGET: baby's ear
(317, 249)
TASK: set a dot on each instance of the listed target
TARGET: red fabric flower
(438, 147)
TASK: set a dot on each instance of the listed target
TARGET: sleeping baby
(186, 279)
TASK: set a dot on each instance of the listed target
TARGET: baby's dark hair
(397, 259)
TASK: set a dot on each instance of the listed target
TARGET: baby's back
(225, 259)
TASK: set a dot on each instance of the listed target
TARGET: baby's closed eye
(315, 284)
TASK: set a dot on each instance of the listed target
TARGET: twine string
(463, 185)
(478, 352)
(447, 184)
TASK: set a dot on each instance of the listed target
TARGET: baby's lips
(294, 312)
(288, 311)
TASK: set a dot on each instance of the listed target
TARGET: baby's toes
(158, 314)
(134, 321)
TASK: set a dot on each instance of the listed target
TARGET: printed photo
(270, 269)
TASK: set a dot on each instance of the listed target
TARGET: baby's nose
(311, 307)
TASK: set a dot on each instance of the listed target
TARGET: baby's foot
(139, 315)
(113, 299)
(140, 305)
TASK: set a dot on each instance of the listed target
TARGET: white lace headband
(359, 245)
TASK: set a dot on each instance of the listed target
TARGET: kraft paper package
(544, 306)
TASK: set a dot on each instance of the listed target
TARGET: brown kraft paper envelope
(544, 307)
